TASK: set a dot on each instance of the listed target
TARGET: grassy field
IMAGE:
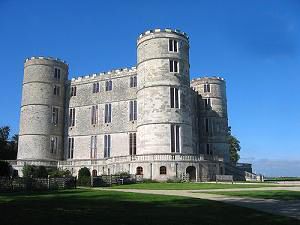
(188, 186)
(280, 195)
(109, 207)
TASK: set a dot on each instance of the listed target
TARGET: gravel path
(279, 207)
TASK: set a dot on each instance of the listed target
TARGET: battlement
(45, 58)
(207, 78)
(167, 30)
(115, 72)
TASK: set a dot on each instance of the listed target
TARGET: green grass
(109, 207)
(279, 195)
(188, 186)
(283, 179)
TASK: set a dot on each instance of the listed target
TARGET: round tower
(42, 109)
(213, 115)
(164, 121)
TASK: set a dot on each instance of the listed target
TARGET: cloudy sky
(254, 45)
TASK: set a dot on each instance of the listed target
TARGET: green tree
(5, 169)
(84, 177)
(8, 148)
(234, 147)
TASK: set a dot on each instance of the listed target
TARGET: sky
(254, 45)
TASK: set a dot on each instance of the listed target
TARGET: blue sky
(254, 45)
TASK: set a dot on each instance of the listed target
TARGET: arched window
(94, 173)
(139, 170)
(163, 170)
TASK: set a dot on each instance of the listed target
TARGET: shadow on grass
(109, 207)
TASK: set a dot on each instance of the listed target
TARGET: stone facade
(180, 126)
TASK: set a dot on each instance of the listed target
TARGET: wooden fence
(36, 184)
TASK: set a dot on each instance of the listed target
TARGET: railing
(21, 162)
(117, 159)
(138, 158)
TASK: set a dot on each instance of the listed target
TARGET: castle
(150, 120)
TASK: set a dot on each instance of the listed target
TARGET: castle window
(53, 144)
(207, 103)
(174, 66)
(173, 45)
(94, 115)
(96, 87)
(72, 117)
(139, 170)
(209, 149)
(132, 143)
(133, 81)
(55, 112)
(56, 90)
(107, 145)
(162, 170)
(57, 74)
(70, 148)
(132, 110)
(93, 150)
(108, 85)
(174, 97)
(73, 90)
(175, 143)
(207, 125)
(107, 113)
(206, 87)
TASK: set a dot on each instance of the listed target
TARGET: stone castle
(150, 120)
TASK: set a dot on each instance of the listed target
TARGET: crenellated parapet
(166, 30)
(45, 58)
(128, 71)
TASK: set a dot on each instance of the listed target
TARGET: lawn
(189, 186)
(86, 206)
(280, 195)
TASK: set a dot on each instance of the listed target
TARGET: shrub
(84, 177)
(5, 169)
(174, 180)
(34, 171)
(59, 173)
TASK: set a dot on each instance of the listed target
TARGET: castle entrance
(191, 171)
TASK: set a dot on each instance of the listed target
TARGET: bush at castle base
(35, 171)
(84, 177)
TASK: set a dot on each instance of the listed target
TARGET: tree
(84, 177)
(5, 169)
(8, 148)
(234, 148)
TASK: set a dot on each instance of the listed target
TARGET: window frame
(55, 115)
(107, 146)
(93, 147)
(70, 148)
(162, 170)
(108, 113)
(173, 66)
(175, 138)
(57, 73)
(94, 115)
(173, 45)
(73, 91)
